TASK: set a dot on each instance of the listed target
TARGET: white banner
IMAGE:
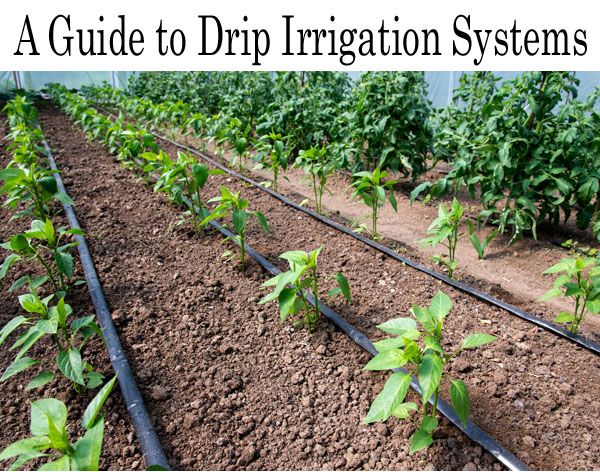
(69, 35)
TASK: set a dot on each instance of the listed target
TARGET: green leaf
(390, 359)
(27, 340)
(71, 365)
(389, 343)
(239, 221)
(552, 293)
(93, 410)
(420, 440)
(25, 446)
(398, 325)
(89, 447)
(344, 286)
(477, 339)
(404, 409)
(440, 305)
(63, 198)
(9, 327)
(262, 221)
(430, 374)
(18, 366)
(432, 343)
(428, 424)
(389, 398)
(564, 317)
(393, 201)
(8, 262)
(32, 304)
(459, 394)
(45, 410)
(40, 380)
(64, 261)
(63, 463)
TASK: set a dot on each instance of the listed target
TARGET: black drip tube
(513, 310)
(142, 423)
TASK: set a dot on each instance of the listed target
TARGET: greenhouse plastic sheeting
(441, 84)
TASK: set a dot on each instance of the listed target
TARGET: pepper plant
(421, 352)
(319, 167)
(578, 279)
(373, 189)
(32, 187)
(182, 179)
(444, 230)
(273, 155)
(231, 205)
(480, 245)
(236, 135)
(292, 287)
(43, 240)
(50, 439)
(44, 319)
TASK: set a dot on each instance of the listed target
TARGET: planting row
(44, 253)
(397, 354)
(578, 276)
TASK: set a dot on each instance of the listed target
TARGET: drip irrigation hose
(473, 431)
(485, 297)
(142, 423)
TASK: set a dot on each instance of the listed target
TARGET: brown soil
(121, 451)
(512, 273)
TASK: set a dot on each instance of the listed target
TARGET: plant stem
(48, 271)
(242, 252)
(316, 295)
(374, 217)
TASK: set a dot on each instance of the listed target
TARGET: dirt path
(121, 451)
(226, 376)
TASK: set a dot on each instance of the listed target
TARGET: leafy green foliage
(319, 167)
(50, 439)
(69, 336)
(292, 286)
(423, 354)
(444, 230)
(44, 244)
(578, 279)
(182, 179)
(273, 155)
(527, 148)
(389, 122)
(374, 190)
(231, 205)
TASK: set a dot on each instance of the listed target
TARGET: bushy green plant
(421, 352)
(578, 279)
(292, 286)
(374, 190)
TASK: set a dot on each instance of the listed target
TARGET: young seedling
(444, 231)
(273, 154)
(315, 163)
(237, 136)
(32, 188)
(579, 279)
(420, 353)
(50, 439)
(183, 180)
(373, 189)
(480, 245)
(292, 287)
(43, 239)
(233, 206)
(43, 320)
